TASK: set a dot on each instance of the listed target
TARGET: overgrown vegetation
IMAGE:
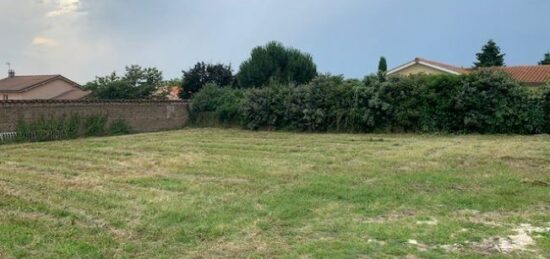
(245, 194)
(217, 106)
(69, 127)
(480, 102)
(49, 129)
(120, 127)
(95, 125)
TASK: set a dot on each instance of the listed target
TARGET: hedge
(480, 102)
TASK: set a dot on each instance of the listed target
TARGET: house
(44, 87)
(168, 92)
(526, 75)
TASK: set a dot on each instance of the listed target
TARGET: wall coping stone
(90, 101)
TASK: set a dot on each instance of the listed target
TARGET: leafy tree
(546, 60)
(201, 74)
(276, 63)
(382, 65)
(143, 81)
(490, 56)
(137, 83)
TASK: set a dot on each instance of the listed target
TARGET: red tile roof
(528, 75)
(531, 75)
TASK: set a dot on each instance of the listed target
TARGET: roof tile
(534, 75)
(20, 83)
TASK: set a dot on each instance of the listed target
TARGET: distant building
(537, 75)
(44, 87)
(168, 92)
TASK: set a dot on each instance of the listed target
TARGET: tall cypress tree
(546, 60)
(490, 56)
(382, 65)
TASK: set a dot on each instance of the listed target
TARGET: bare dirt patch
(486, 218)
(521, 241)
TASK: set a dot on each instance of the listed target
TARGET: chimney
(11, 73)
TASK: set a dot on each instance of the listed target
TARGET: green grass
(233, 193)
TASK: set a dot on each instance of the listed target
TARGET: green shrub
(215, 105)
(438, 104)
(396, 103)
(68, 127)
(489, 102)
(119, 127)
(23, 131)
(530, 116)
(46, 129)
(73, 126)
(266, 107)
(95, 125)
(328, 103)
(545, 98)
(480, 102)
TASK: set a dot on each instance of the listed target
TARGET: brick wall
(142, 116)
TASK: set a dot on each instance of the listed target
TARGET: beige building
(420, 65)
(44, 87)
(537, 75)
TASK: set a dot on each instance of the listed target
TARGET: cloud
(44, 41)
(64, 7)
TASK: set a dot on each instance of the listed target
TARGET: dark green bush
(215, 105)
(438, 104)
(266, 108)
(73, 126)
(488, 102)
(546, 108)
(328, 103)
(333, 104)
(480, 102)
(530, 116)
(68, 127)
(396, 103)
(46, 129)
(95, 125)
(119, 127)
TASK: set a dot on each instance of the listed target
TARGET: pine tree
(382, 65)
(546, 60)
(490, 56)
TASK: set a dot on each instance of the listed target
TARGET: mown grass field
(232, 193)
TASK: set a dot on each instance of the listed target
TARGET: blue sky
(85, 38)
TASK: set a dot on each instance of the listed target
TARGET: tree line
(271, 64)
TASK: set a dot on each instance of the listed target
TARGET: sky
(81, 39)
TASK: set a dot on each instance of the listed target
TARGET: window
(5, 97)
